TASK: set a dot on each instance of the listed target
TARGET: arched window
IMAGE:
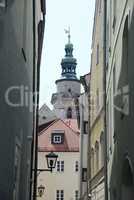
(97, 155)
(102, 148)
(69, 113)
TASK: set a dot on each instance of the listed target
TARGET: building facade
(120, 99)
(96, 132)
(61, 137)
(82, 119)
(68, 86)
(18, 67)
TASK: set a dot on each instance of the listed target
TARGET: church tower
(68, 86)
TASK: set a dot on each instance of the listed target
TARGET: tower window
(69, 113)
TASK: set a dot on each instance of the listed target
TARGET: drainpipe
(87, 92)
(104, 98)
(89, 146)
(35, 109)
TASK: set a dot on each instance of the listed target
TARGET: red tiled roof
(71, 138)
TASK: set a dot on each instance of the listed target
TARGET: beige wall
(96, 100)
(67, 180)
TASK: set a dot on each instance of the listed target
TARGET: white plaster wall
(67, 180)
(63, 86)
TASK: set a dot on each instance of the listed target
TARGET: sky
(60, 14)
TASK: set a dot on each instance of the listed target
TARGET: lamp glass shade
(41, 189)
(51, 160)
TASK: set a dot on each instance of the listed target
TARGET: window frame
(85, 127)
(59, 194)
(60, 166)
(57, 135)
(84, 174)
(76, 166)
(76, 194)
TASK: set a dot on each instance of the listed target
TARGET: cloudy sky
(78, 14)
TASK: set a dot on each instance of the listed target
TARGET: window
(92, 161)
(84, 174)
(60, 166)
(97, 55)
(102, 148)
(97, 99)
(76, 166)
(85, 127)
(57, 138)
(114, 13)
(60, 195)
(69, 113)
(97, 155)
(76, 195)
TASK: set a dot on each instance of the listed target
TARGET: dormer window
(57, 137)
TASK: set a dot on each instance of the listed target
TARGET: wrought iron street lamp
(51, 162)
(41, 189)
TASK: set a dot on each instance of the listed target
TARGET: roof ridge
(48, 126)
(69, 127)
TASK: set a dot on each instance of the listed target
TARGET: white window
(60, 166)
(76, 195)
(76, 166)
(57, 139)
(59, 194)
